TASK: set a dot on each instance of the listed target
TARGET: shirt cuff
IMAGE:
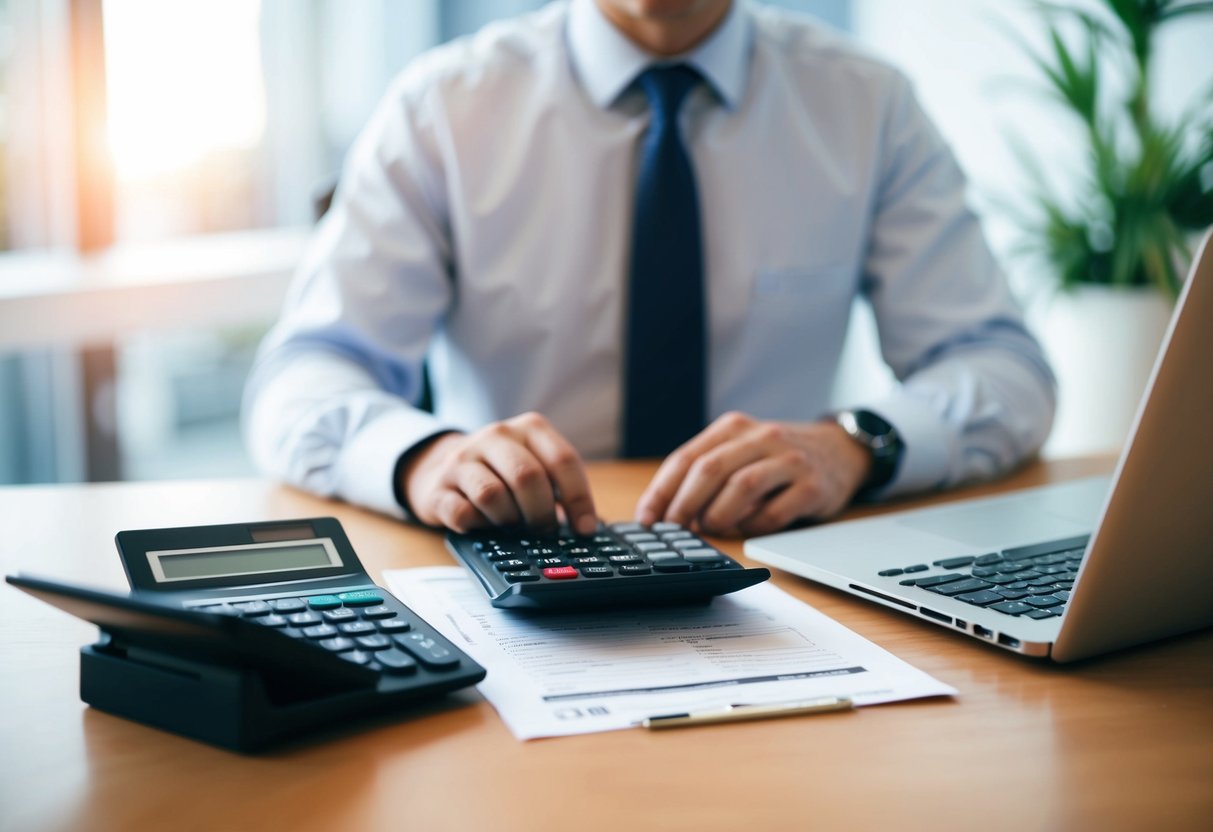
(926, 444)
(368, 463)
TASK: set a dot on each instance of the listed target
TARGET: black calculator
(243, 635)
(300, 578)
(620, 565)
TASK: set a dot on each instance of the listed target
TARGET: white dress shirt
(483, 219)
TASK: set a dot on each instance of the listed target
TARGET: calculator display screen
(235, 561)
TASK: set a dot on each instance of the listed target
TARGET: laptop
(1065, 571)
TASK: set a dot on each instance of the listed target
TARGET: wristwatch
(879, 437)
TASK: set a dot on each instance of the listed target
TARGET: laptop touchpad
(1013, 522)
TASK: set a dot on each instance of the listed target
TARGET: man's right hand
(517, 471)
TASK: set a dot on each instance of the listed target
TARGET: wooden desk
(1125, 742)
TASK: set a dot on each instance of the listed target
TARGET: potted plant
(1117, 239)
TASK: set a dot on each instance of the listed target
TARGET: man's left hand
(743, 477)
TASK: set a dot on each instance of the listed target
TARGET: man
(513, 212)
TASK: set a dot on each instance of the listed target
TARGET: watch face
(872, 424)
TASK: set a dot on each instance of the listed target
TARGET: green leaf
(1145, 185)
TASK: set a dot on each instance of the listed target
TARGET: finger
(567, 471)
(527, 480)
(484, 489)
(454, 511)
(709, 475)
(654, 503)
(748, 490)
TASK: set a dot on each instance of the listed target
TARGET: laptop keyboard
(1029, 581)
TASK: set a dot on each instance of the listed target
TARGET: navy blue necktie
(665, 364)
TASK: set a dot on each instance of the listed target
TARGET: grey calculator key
(380, 611)
(624, 528)
(650, 546)
(679, 535)
(288, 604)
(665, 555)
(639, 537)
(625, 559)
(703, 556)
(320, 631)
(302, 619)
(356, 628)
(521, 576)
(688, 543)
(356, 656)
(339, 615)
(666, 527)
(394, 625)
(375, 641)
(252, 608)
(428, 651)
(337, 644)
(396, 662)
(271, 620)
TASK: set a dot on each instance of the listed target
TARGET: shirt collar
(606, 61)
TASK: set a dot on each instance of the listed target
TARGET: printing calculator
(620, 565)
(300, 578)
(243, 634)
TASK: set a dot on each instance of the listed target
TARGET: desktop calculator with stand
(620, 565)
(242, 635)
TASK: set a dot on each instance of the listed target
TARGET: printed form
(555, 674)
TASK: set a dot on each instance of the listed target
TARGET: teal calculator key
(362, 598)
(323, 602)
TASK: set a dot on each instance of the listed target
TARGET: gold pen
(740, 713)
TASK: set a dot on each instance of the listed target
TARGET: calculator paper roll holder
(218, 678)
(237, 708)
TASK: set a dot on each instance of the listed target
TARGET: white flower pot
(1102, 341)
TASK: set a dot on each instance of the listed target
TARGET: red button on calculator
(560, 573)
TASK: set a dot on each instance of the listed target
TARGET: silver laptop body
(1147, 572)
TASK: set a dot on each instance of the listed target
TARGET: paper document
(554, 674)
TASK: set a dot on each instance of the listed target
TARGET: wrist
(878, 439)
(413, 459)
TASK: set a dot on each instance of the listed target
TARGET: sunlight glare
(183, 80)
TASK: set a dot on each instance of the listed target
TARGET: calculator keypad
(564, 557)
(618, 560)
(362, 626)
